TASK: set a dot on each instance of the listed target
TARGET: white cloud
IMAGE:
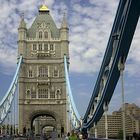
(8, 60)
(90, 26)
(138, 101)
(133, 61)
(9, 20)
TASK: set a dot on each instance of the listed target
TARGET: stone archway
(40, 119)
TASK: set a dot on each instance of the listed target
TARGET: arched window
(40, 47)
(40, 34)
(58, 93)
(28, 92)
(34, 47)
(46, 47)
(52, 47)
(45, 34)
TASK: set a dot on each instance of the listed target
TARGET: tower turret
(22, 29)
(22, 33)
(64, 30)
(64, 36)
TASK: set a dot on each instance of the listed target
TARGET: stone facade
(42, 85)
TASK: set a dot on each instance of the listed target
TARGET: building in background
(132, 118)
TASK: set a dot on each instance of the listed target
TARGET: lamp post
(121, 67)
(9, 122)
(95, 128)
(106, 122)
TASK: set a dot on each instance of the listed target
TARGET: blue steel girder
(73, 112)
(6, 102)
(118, 47)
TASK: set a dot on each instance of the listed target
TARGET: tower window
(43, 93)
(46, 47)
(40, 47)
(34, 47)
(33, 95)
(52, 47)
(52, 94)
(40, 34)
(30, 74)
(58, 93)
(28, 93)
(55, 72)
(43, 72)
(45, 34)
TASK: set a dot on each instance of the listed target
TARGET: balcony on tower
(44, 81)
(43, 53)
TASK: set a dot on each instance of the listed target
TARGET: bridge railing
(6, 102)
(73, 112)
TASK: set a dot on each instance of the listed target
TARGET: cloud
(133, 62)
(89, 31)
(10, 14)
(8, 60)
(90, 25)
(138, 101)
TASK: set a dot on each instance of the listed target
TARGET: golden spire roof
(43, 8)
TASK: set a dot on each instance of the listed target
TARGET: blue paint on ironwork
(126, 18)
(69, 90)
(6, 102)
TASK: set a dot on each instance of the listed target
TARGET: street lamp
(121, 67)
(106, 122)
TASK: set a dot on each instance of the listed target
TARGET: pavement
(25, 138)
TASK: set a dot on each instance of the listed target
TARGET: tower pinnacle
(22, 22)
(64, 21)
(43, 8)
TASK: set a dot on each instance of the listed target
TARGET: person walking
(73, 136)
(67, 136)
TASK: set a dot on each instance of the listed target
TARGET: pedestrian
(24, 131)
(73, 136)
(67, 136)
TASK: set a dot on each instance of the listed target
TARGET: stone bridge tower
(42, 85)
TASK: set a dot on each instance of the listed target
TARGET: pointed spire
(22, 22)
(64, 21)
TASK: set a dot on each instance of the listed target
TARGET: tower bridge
(41, 80)
(45, 100)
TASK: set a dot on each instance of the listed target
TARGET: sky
(90, 23)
